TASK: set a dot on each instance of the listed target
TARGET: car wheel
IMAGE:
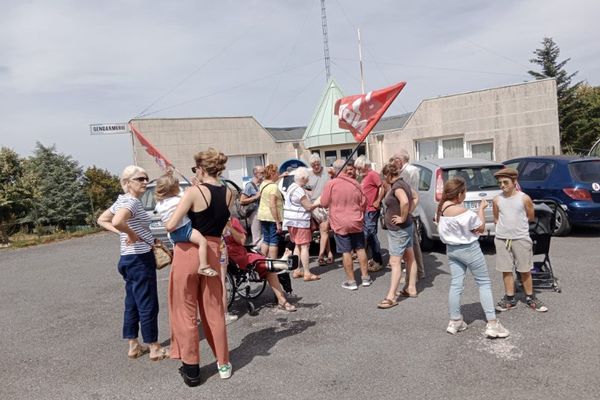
(562, 224)
(426, 243)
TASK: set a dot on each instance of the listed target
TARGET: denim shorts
(349, 242)
(269, 233)
(182, 234)
(399, 241)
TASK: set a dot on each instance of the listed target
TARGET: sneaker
(229, 318)
(536, 304)
(496, 330)
(350, 285)
(505, 304)
(456, 326)
(224, 370)
(190, 381)
(366, 281)
(374, 266)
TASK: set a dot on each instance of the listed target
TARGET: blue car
(572, 181)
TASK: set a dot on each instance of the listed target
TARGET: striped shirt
(294, 214)
(139, 223)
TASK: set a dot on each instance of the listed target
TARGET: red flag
(161, 160)
(361, 112)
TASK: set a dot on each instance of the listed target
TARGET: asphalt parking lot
(61, 316)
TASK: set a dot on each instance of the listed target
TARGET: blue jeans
(460, 258)
(370, 229)
(141, 296)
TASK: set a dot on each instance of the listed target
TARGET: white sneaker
(350, 285)
(456, 326)
(229, 318)
(496, 330)
(225, 370)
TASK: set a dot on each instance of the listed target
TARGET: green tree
(588, 123)
(14, 198)
(102, 189)
(568, 110)
(58, 195)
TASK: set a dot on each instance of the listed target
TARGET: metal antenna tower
(325, 41)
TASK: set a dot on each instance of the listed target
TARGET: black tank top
(212, 221)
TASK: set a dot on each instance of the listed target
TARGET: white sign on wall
(117, 128)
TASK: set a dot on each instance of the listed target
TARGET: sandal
(207, 271)
(330, 260)
(286, 307)
(297, 274)
(322, 262)
(161, 354)
(138, 351)
(387, 303)
(311, 277)
(404, 293)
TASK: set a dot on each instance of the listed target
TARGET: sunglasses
(194, 169)
(503, 182)
(141, 179)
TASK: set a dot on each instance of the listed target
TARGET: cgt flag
(361, 112)
(161, 160)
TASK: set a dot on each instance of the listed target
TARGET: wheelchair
(247, 283)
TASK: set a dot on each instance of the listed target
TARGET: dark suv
(572, 181)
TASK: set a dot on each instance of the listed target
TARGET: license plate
(473, 205)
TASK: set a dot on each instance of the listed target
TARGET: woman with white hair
(127, 218)
(296, 217)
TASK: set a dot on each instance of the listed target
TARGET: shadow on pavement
(472, 312)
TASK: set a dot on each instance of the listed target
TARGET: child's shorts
(182, 234)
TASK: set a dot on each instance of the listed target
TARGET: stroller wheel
(251, 308)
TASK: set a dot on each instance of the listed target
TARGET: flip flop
(404, 293)
(387, 303)
(207, 271)
(286, 307)
(311, 277)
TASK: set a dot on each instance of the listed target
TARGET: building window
(483, 150)
(440, 148)
(239, 168)
(330, 157)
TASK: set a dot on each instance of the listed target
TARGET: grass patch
(25, 240)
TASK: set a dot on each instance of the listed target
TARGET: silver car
(481, 184)
(156, 226)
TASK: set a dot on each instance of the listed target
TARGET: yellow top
(267, 188)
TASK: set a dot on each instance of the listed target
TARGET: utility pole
(325, 41)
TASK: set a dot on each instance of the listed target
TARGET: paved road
(61, 320)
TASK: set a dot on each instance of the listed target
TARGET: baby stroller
(540, 232)
(248, 284)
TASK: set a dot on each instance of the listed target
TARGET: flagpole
(362, 80)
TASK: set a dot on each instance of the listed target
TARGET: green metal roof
(323, 129)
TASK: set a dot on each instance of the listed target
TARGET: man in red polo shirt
(344, 198)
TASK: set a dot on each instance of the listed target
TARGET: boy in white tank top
(514, 249)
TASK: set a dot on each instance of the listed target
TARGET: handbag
(162, 254)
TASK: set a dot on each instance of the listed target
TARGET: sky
(65, 64)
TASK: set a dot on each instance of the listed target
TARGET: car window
(148, 201)
(424, 178)
(476, 178)
(536, 171)
(586, 171)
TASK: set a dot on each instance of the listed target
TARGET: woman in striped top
(127, 218)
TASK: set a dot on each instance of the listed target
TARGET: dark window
(536, 171)
(424, 178)
(477, 178)
(587, 171)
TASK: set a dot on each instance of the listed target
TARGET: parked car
(572, 181)
(481, 184)
(156, 226)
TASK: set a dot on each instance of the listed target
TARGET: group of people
(349, 198)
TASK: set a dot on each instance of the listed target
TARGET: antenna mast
(325, 40)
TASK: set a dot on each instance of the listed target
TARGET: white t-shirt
(166, 208)
(294, 214)
(458, 229)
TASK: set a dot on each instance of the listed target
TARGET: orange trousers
(189, 293)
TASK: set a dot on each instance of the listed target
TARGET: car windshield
(477, 178)
(585, 171)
